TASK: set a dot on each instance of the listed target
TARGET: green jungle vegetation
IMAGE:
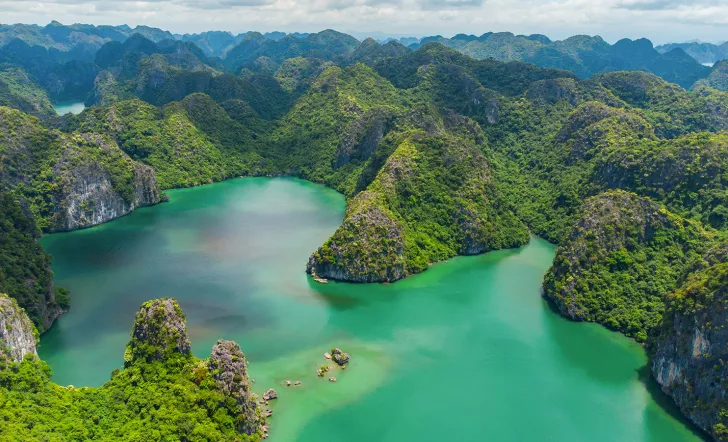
(718, 78)
(701, 299)
(17, 90)
(438, 153)
(25, 269)
(582, 54)
(163, 392)
(42, 166)
(473, 149)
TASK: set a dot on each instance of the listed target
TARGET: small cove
(73, 107)
(465, 351)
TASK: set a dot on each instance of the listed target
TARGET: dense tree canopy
(438, 153)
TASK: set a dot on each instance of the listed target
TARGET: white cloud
(659, 20)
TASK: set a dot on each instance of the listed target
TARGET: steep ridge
(718, 78)
(188, 143)
(622, 257)
(673, 172)
(25, 269)
(71, 180)
(702, 52)
(569, 142)
(327, 45)
(436, 177)
(19, 91)
(18, 336)
(672, 110)
(689, 356)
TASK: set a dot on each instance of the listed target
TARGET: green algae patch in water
(467, 350)
(315, 396)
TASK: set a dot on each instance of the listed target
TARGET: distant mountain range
(90, 37)
(707, 53)
(583, 55)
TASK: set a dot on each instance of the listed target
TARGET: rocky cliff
(229, 368)
(686, 174)
(623, 255)
(367, 247)
(162, 390)
(25, 269)
(96, 188)
(159, 333)
(690, 360)
(436, 177)
(52, 181)
(18, 336)
(159, 336)
(71, 180)
(718, 78)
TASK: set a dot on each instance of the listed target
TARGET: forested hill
(56, 45)
(438, 154)
(707, 53)
(582, 54)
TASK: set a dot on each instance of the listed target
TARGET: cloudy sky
(660, 20)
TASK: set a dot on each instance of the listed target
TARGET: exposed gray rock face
(87, 178)
(270, 395)
(488, 103)
(602, 222)
(17, 334)
(380, 239)
(363, 135)
(159, 333)
(52, 311)
(690, 361)
(104, 81)
(229, 369)
(339, 356)
(90, 195)
(475, 232)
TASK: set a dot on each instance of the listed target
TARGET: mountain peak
(159, 333)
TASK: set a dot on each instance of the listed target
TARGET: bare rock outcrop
(17, 333)
(228, 367)
(690, 360)
(159, 333)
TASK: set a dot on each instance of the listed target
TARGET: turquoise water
(73, 107)
(466, 351)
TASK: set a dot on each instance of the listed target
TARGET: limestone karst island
(363, 221)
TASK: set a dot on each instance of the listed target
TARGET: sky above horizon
(661, 21)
